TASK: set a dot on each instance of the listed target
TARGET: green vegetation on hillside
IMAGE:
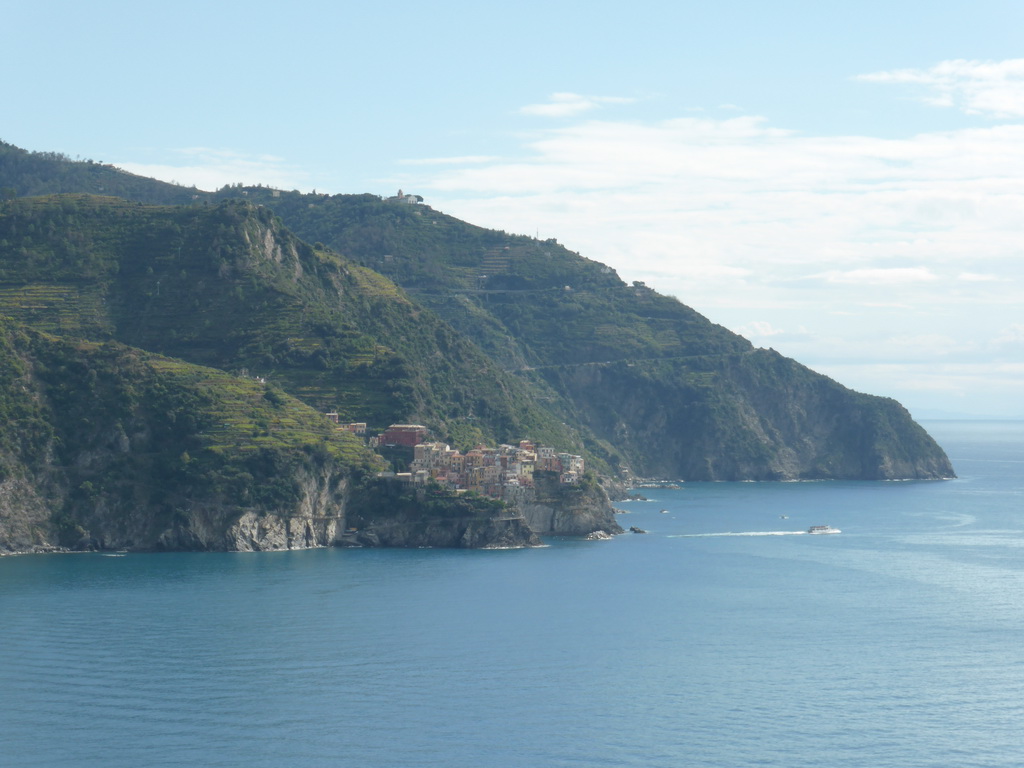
(489, 336)
(226, 286)
(118, 438)
(24, 174)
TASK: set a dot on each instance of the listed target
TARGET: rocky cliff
(107, 447)
(316, 518)
(550, 508)
(388, 513)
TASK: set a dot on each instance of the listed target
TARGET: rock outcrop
(105, 447)
(25, 518)
(494, 533)
(389, 513)
(316, 519)
(553, 509)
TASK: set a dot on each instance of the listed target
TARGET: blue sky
(842, 182)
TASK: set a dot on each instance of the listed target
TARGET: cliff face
(106, 447)
(315, 519)
(550, 508)
(451, 534)
(29, 523)
(386, 513)
(755, 415)
(25, 518)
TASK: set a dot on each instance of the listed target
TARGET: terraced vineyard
(229, 288)
(59, 308)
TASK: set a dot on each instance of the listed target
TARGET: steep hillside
(226, 286)
(752, 415)
(645, 383)
(656, 386)
(104, 446)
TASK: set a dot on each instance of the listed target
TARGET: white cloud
(570, 104)
(759, 329)
(957, 389)
(1012, 336)
(461, 160)
(881, 276)
(740, 197)
(976, 277)
(738, 217)
(929, 345)
(211, 169)
(994, 88)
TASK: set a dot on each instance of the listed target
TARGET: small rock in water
(634, 529)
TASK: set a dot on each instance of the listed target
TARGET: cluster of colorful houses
(486, 470)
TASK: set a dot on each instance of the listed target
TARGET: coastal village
(485, 470)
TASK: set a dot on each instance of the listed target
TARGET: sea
(725, 636)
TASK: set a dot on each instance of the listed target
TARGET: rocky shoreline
(332, 514)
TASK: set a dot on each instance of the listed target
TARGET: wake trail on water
(731, 533)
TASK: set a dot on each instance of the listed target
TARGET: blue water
(896, 643)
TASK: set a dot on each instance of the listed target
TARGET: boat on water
(823, 529)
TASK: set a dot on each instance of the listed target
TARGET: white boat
(823, 529)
